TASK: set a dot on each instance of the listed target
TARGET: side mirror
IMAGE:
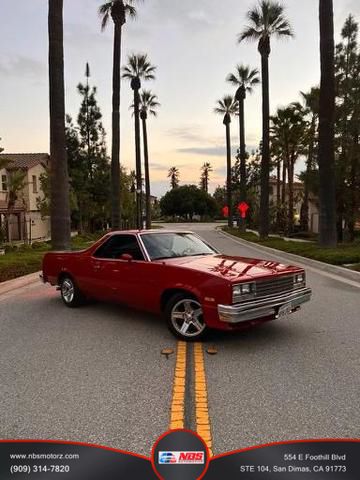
(126, 257)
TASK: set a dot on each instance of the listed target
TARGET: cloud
(81, 36)
(189, 133)
(159, 167)
(208, 151)
(21, 66)
(200, 17)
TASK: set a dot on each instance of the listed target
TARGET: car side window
(118, 245)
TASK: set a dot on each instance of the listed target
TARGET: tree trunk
(341, 185)
(354, 205)
(147, 174)
(278, 195)
(228, 182)
(290, 223)
(265, 161)
(115, 151)
(327, 218)
(309, 165)
(242, 160)
(136, 87)
(283, 185)
(59, 179)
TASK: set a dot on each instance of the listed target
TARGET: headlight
(299, 280)
(243, 292)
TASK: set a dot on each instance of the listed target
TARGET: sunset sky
(194, 47)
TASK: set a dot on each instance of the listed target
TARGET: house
(21, 219)
(298, 188)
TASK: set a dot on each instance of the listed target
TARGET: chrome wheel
(68, 290)
(187, 318)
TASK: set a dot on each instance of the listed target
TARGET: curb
(20, 282)
(324, 267)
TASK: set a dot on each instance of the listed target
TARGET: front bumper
(263, 307)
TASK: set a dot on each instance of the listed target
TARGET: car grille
(273, 286)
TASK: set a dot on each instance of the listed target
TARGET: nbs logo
(182, 458)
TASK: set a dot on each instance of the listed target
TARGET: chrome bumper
(263, 307)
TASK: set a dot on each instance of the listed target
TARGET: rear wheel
(70, 294)
(185, 317)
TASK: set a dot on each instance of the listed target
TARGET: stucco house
(23, 221)
(298, 188)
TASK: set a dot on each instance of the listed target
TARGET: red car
(179, 275)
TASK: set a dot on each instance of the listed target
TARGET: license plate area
(285, 310)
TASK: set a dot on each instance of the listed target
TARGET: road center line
(203, 426)
(177, 411)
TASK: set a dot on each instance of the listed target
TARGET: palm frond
(249, 33)
(226, 106)
(255, 16)
(130, 10)
(231, 78)
(105, 14)
(266, 19)
(138, 66)
(148, 102)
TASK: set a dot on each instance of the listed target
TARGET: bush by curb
(342, 255)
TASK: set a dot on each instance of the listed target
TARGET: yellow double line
(177, 413)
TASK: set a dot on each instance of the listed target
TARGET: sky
(194, 46)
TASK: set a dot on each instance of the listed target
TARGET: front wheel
(70, 294)
(185, 317)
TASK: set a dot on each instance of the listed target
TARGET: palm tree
(59, 178)
(287, 130)
(118, 11)
(266, 20)
(245, 79)
(137, 68)
(174, 176)
(227, 106)
(148, 105)
(206, 169)
(326, 160)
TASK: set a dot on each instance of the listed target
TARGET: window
(4, 183)
(173, 245)
(118, 245)
(34, 182)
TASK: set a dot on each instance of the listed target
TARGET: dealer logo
(182, 458)
(180, 454)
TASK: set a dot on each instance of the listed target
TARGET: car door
(112, 278)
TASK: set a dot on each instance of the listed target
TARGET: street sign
(243, 208)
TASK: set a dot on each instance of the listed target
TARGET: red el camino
(180, 276)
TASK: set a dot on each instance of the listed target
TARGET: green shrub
(346, 253)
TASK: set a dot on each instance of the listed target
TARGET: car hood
(232, 268)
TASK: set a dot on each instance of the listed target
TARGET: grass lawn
(342, 255)
(27, 259)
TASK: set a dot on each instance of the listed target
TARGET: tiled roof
(24, 160)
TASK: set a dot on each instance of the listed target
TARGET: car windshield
(174, 245)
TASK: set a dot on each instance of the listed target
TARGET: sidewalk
(20, 282)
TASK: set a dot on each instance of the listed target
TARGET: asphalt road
(96, 374)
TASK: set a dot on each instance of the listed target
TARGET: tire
(70, 293)
(184, 317)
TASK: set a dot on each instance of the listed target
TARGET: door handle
(97, 267)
